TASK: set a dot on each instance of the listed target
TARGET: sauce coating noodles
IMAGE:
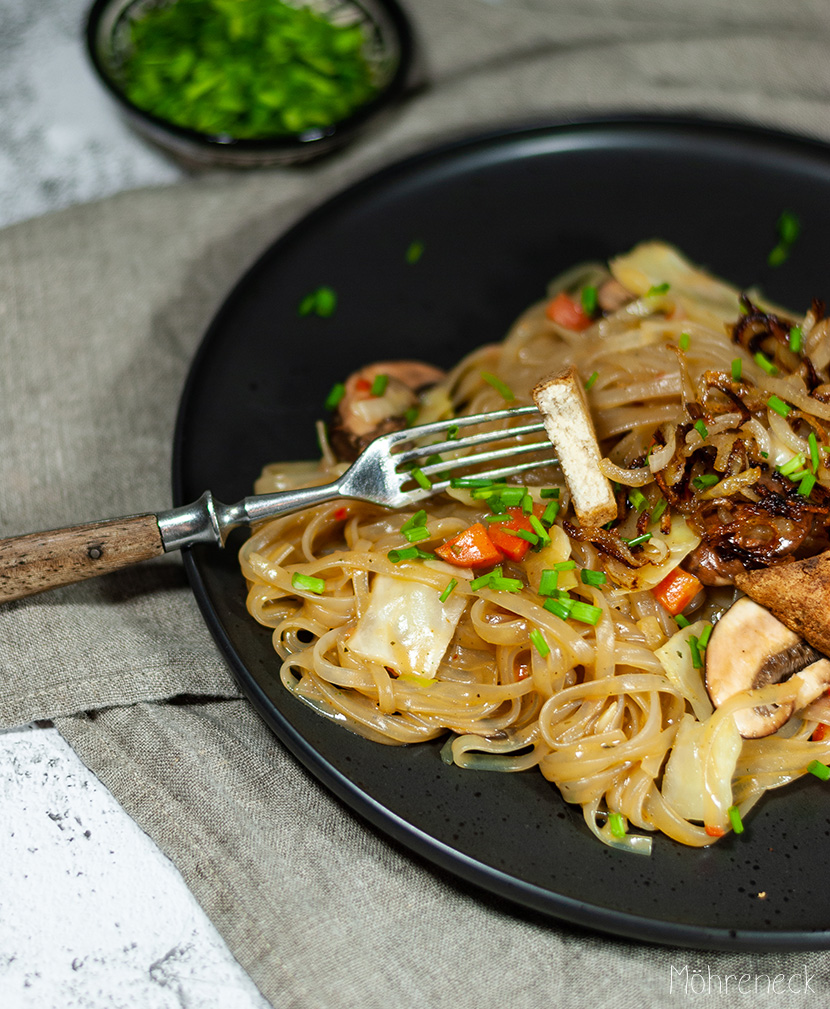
(604, 692)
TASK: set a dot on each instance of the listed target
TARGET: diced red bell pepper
(503, 534)
(677, 590)
(567, 312)
(471, 548)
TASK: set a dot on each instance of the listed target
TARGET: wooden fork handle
(39, 561)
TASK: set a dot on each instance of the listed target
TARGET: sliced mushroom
(362, 416)
(750, 648)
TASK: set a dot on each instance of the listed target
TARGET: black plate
(498, 216)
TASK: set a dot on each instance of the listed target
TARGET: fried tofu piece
(564, 407)
(797, 593)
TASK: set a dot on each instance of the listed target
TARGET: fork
(386, 473)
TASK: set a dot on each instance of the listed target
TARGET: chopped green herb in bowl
(250, 81)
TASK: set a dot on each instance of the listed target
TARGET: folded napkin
(101, 310)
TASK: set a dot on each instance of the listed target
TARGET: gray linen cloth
(101, 310)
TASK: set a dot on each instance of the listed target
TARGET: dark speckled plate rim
(489, 879)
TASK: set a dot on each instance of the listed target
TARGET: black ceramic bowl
(388, 50)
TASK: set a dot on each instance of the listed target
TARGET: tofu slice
(564, 407)
(406, 626)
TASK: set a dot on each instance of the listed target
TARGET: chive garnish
(694, 646)
(591, 380)
(788, 228)
(779, 406)
(498, 516)
(796, 335)
(445, 595)
(379, 384)
(471, 481)
(547, 492)
(685, 340)
(549, 582)
(418, 519)
(322, 302)
(590, 577)
(705, 480)
(657, 289)
(764, 362)
(791, 466)
(589, 299)
(638, 540)
(658, 509)
(819, 770)
(806, 485)
(523, 534)
(414, 252)
(638, 499)
(539, 643)
(737, 369)
(681, 621)
(585, 613)
(550, 513)
(564, 565)
(421, 479)
(540, 530)
(307, 583)
(501, 387)
(701, 429)
(705, 634)
(417, 533)
(617, 824)
(338, 391)
(559, 607)
(814, 456)
(735, 820)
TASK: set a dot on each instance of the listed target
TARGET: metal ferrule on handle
(210, 521)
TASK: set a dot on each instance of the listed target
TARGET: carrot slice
(471, 548)
(677, 590)
(567, 312)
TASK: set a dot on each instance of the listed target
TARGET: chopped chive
(498, 517)
(531, 538)
(418, 519)
(414, 252)
(819, 770)
(527, 503)
(589, 300)
(735, 820)
(406, 554)
(307, 582)
(559, 607)
(433, 460)
(421, 479)
(681, 621)
(451, 584)
(658, 509)
(791, 465)
(638, 540)
(338, 391)
(590, 577)
(411, 415)
(796, 335)
(547, 492)
(779, 406)
(452, 433)
(585, 613)
(591, 380)
(501, 387)
(550, 513)
(814, 456)
(808, 482)
(497, 506)
(512, 496)
(701, 429)
(788, 228)
(502, 584)
(637, 499)
(481, 581)
(705, 634)
(617, 824)
(705, 480)
(417, 533)
(321, 302)
(694, 646)
(549, 582)
(379, 384)
(685, 340)
(764, 362)
(657, 289)
(737, 369)
(540, 530)
(564, 565)
(539, 643)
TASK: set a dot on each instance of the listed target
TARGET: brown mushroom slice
(362, 416)
(750, 648)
